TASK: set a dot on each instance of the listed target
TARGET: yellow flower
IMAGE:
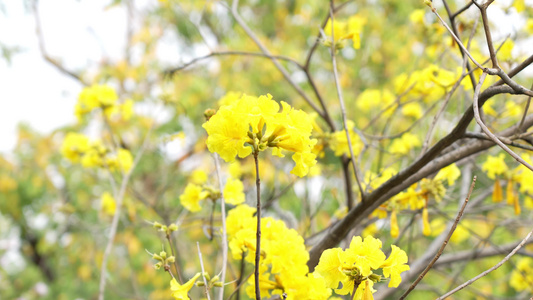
(96, 96)
(426, 227)
(339, 141)
(413, 110)
(522, 275)
(108, 204)
(497, 194)
(394, 229)
(239, 218)
(505, 50)
(74, 146)
(365, 254)
(179, 291)
(345, 30)
(417, 16)
(7, 183)
(495, 166)
(233, 192)
(449, 173)
(227, 133)
(404, 144)
(191, 197)
(229, 98)
(94, 156)
(330, 267)
(121, 161)
(198, 177)
(395, 265)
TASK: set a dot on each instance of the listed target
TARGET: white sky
(79, 33)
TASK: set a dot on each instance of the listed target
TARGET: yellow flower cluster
(430, 83)
(283, 265)
(497, 169)
(354, 267)
(79, 149)
(105, 98)
(522, 275)
(417, 196)
(339, 142)
(197, 191)
(404, 144)
(253, 124)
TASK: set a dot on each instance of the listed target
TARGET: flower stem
(355, 286)
(258, 232)
(176, 264)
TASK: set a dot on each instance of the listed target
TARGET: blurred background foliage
(51, 209)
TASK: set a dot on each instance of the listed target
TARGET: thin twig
(203, 271)
(283, 71)
(525, 112)
(176, 265)
(469, 282)
(487, 131)
(114, 224)
(258, 230)
(343, 109)
(45, 54)
(171, 72)
(224, 233)
(444, 244)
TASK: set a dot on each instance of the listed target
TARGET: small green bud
(158, 266)
(251, 135)
(200, 283)
(157, 257)
(170, 260)
(375, 277)
(215, 279)
(262, 146)
(218, 284)
(208, 113)
(163, 255)
(157, 225)
(173, 227)
(206, 275)
(163, 228)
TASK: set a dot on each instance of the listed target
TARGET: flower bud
(157, 225)
(374, 277)
(173, 227)
(208, 113)
(157, 257)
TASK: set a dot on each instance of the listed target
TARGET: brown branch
(343, 111)
(172, 71)
(486, 129)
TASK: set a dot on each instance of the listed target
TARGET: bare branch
(488, 132)
(343, 110)
(469, 282)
